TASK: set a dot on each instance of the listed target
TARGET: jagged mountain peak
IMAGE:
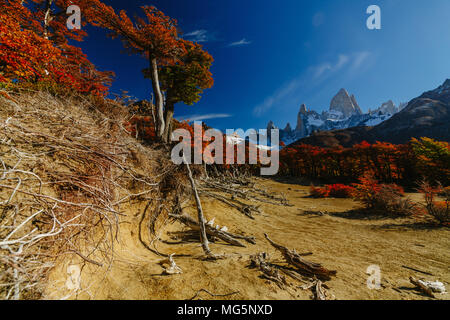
(344, 113)
(303, 109)
(288, 128)
(428, 115)
(387, 107)
(444, 88)
(355, 103)
(344, 103)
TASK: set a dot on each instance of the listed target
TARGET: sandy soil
(341, 240)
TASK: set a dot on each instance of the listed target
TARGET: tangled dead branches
(65, 170)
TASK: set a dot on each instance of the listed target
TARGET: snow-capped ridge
(344, 112)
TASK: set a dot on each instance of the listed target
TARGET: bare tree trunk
(201, 217)
(47, 17)
(159, 102)
(168, 116)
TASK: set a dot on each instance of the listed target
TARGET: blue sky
(272, 56)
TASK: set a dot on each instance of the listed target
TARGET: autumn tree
(22, 52)
(155, 37)
(53, 16)
(35, 47)
(185, 81)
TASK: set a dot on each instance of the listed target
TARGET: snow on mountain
(344, 112)
(235, 139)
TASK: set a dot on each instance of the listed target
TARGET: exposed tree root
(201, 216)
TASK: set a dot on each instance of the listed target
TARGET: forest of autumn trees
(35, 50)
(405, 164)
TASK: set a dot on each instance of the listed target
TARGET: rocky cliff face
(343, 103)
(425, 116)
(344, 112)
(288, 128)
(387, 108)
(356, 105)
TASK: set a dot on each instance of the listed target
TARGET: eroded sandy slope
(339, 240)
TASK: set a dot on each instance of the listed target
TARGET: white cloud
(201, 117)
(289, 93)
(242, 42)
(277, 96)
(359, 59)
(198, 36)
(329, 67)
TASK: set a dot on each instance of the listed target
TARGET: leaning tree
(155, 37)
(185, 81)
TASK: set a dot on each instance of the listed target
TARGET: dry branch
(223, 235)
(242, 207)
(201, 216)
(422, 287)
(65, 171)
(304, 266)
(173, 268)
(271, 273)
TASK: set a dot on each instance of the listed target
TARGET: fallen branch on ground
(242, 207)
(304, 266)
(173, 268)
(422, 287)
(417, 270)
(259, 261)
(223, 235)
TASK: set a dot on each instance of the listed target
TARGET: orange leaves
(332, 191)
(142, 128)
(26, 56)
(155, 35)
(404, 163)
(6, 95)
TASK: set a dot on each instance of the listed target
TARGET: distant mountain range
(425, 116)
(344, 112)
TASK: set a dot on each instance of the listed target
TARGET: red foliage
(155, 36)
(332, 191)
(436, 208)
(141, 128)
(33, 52)
(388, 162)
(384, 198)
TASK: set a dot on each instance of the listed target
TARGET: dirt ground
(339, 238)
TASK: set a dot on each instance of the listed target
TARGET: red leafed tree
(34, 47)
(389, 163)
(22, 52)
(154, 37)
(53, 16)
